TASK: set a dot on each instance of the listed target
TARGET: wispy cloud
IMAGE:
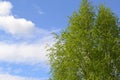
(38, 9)
(40, 12)
(24, 52)
(32, 48)
(13, 77)
(32, 71)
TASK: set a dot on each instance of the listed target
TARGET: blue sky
(25, 33)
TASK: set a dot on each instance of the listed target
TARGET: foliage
(88, 49)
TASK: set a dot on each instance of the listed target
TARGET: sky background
(25, 34)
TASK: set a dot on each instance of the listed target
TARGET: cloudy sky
(25, 34)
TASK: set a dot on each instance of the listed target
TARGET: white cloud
(5, 8)
(11, 24)
(21, 52)
(12, 77)
(24, 53)
(16, 25)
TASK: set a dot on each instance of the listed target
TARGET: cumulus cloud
(10, 24)
(16, 25)
(12, 77)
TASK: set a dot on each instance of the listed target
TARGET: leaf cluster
(89, 48)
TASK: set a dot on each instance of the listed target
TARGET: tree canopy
(89, 48)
